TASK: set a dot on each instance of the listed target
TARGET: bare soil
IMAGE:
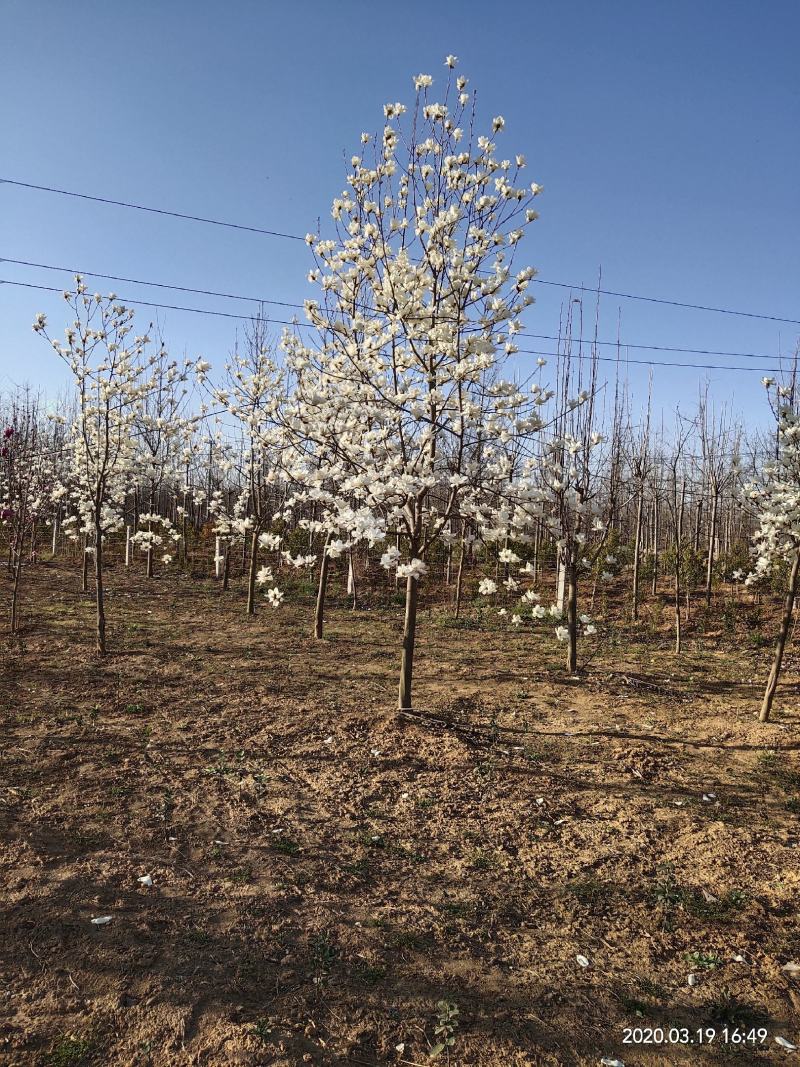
(325, 871)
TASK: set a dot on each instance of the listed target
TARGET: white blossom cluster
(775, 496)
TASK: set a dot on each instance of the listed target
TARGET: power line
(297, 237)
(153, 304)
(156, 285)
(299, 307)
(670, 303)
(521, 351)
(154, 210)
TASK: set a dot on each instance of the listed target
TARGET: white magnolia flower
(487, 587)
(390, 557)
(269, 540)
(275, 597)
(415, 568)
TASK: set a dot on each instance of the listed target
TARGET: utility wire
(154, 210)
(297, 237)
(157, 285)
(300, 307)
(153, 304)
(670, 303)
(521, 351)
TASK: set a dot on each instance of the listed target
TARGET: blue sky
(665, 135)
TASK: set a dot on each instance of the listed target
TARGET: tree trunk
(15, 590)
(351, 579)
(712, 536)
(655, 548)
(677, 588)
(697, 525)
(572, 610)
(637, 555)
(786, 621)
(85, 573)
(409, 636)
(319, 612)
(226, 566)
(99, 594)
(561, 582)
(251, 578)
(460, 574)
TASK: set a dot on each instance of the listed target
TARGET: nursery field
(530, 862)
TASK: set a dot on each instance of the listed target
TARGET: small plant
(667, 893)
(196, 936)
(242, 875)
(588, 891)
(714, 908)
(728, 1010)
(482, 862)
(324, 953)
(285, 846)
(368, 974)
(221, 768)
(69, 1051)
(262, 1030)
(359, 869)
(708, 960)
(445, 1029)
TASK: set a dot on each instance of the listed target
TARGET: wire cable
(522, 351)
(299, 307)
(297, 237)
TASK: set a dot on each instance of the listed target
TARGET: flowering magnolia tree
(26, 488)
(556, 488)
(252, 393)
(399, 398)
(775, 499)
(112, 374)
(162, 436)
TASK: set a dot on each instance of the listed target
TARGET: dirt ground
(325, 873)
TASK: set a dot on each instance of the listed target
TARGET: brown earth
(326, 872)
